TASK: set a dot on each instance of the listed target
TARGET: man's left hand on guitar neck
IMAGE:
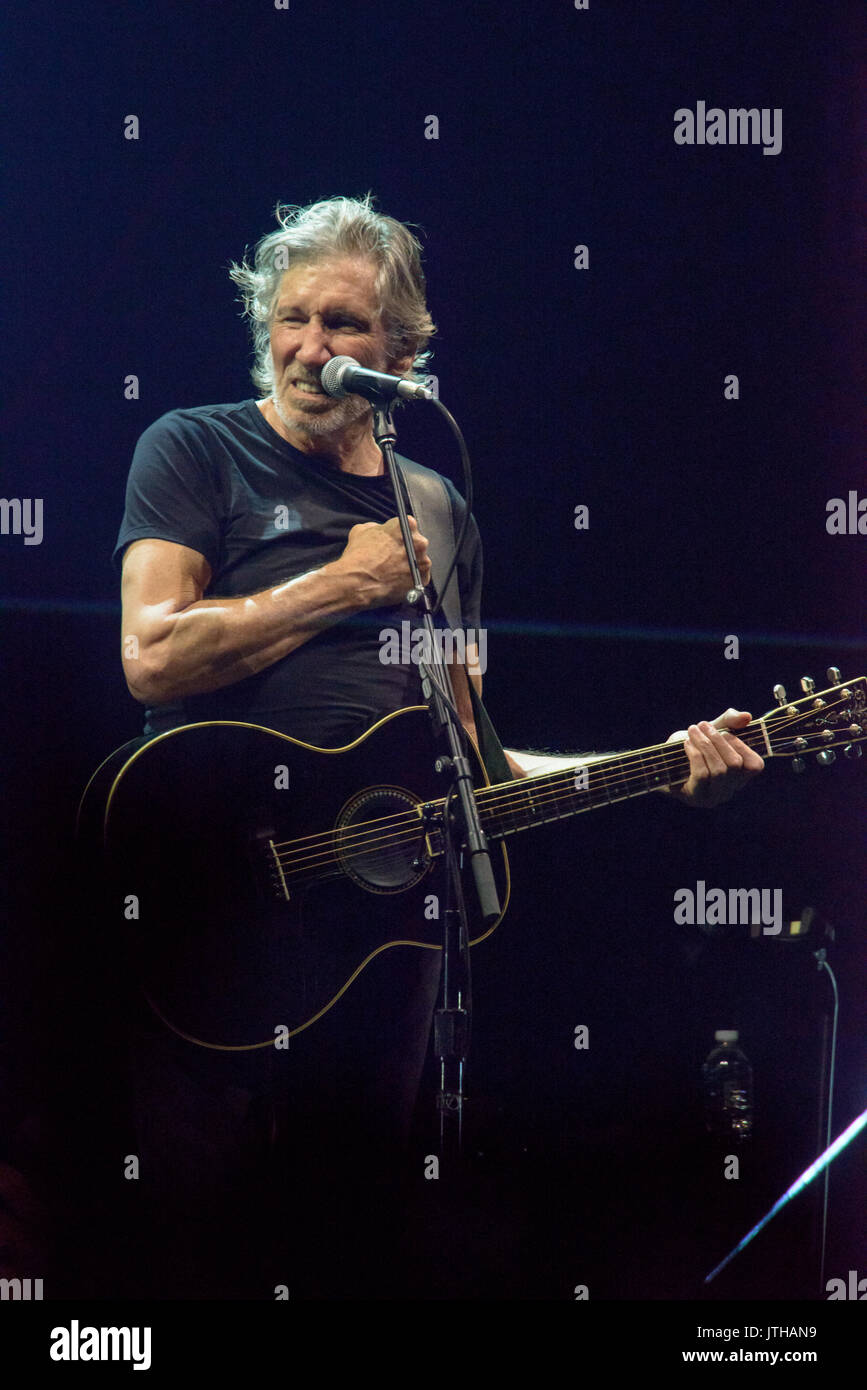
(720, 763)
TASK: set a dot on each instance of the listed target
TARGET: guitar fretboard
(555, 796)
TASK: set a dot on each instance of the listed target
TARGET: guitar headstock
(819, 721)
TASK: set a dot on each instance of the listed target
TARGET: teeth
(306, 386)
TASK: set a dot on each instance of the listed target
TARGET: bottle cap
(725, 1035)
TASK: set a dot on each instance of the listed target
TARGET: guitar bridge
(278, 878)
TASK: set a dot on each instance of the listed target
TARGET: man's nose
(313, 349)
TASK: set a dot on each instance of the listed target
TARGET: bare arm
(177, 643)
(535, 764)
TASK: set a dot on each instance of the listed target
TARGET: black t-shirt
(221, 481)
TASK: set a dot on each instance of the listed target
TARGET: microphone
(343, 375)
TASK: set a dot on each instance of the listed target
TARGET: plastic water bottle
(727, 1079)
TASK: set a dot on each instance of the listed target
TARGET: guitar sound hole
(379, 836)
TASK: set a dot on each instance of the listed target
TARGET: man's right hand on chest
(375, 562)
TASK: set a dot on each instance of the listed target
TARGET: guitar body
(257, 876)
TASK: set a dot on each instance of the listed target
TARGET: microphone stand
(459, 831)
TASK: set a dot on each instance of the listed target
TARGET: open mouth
(305, 388)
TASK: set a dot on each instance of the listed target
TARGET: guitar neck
(553, 796)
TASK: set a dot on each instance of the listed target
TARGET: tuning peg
(826, 757)
(834, 675)
(798, 765)
(808, 685)
(852, 751)
(780, 694)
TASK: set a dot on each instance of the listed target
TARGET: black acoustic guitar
(258, 876)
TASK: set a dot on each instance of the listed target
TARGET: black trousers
(283, 1168)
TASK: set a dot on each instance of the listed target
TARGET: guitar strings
(546, 789)
(517, 789)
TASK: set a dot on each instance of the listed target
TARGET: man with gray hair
(258, 539)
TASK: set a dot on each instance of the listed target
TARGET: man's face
(325, 309)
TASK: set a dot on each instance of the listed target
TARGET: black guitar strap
(431, 505)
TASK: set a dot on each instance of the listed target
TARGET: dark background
(602, 387)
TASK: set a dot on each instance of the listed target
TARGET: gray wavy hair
(338, 226)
